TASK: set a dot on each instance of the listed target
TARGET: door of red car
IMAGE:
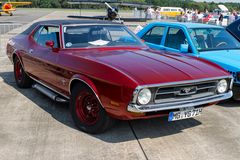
(41, 59)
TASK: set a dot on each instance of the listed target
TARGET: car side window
(166, 10)
(154, 35)
(175, 37)
(47, 33)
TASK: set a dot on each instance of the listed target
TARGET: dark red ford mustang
(107, 73)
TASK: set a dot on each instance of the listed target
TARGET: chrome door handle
(30, 51)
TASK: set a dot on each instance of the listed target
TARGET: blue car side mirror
(184, 48)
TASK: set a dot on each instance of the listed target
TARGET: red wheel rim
(87, 108)
(18, 71)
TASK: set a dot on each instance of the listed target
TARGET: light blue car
(209, 42)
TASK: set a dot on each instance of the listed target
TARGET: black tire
(21, 78)
(236, 93)
(96, 120)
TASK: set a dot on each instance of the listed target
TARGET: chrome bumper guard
(180, 104)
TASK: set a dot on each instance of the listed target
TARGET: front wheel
(21, 78)
(87, 112)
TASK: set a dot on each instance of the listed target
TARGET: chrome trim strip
(184, 99)
(177, 91)
(206, 87)
(231, 84)
(94, 24)
(87, 85)
(183, 82)
(49, 87)
(182, 104)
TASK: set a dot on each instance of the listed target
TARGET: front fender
(85, 80)
(114, 99)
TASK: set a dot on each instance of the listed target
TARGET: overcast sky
(219, 0)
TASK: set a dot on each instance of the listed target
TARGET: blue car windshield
(206, 39)
(99, 36)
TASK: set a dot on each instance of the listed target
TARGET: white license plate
(184, 114)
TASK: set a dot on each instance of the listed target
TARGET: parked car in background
(207, 18)
(214, 19)
(107, 73)
(209, 42)
(170, 11)
(234, 29)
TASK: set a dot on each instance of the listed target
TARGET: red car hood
(148, 67)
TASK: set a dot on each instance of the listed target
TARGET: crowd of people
(218, 18)
(150, 13)
(215, 17)
(233, 17)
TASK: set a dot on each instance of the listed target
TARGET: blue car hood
(228, 59)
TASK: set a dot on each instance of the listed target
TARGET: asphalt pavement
(33, 127)
(21, 17)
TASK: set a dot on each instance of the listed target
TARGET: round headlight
(222, 86)
(144, 96)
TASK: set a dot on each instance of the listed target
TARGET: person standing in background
(135, 12)
(220, 19)
(236, 15)
(146, 14)
(149, 13)
(231, 18)
(200, 17)
(157, 12)
(189, 16)
(152, 12)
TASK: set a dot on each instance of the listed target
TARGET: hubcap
(87, 108)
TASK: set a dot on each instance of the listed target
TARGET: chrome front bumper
(177, 105)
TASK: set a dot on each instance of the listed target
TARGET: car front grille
(185, 92)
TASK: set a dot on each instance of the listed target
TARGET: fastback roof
(67, 22)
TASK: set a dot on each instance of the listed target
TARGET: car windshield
(206, 39)
(99, 35)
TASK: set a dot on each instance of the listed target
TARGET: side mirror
(50, 44)
(184, 48)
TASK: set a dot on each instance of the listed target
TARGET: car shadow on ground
(230, 103)
(121, 132)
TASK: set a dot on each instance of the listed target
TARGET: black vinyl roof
(66, 22)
